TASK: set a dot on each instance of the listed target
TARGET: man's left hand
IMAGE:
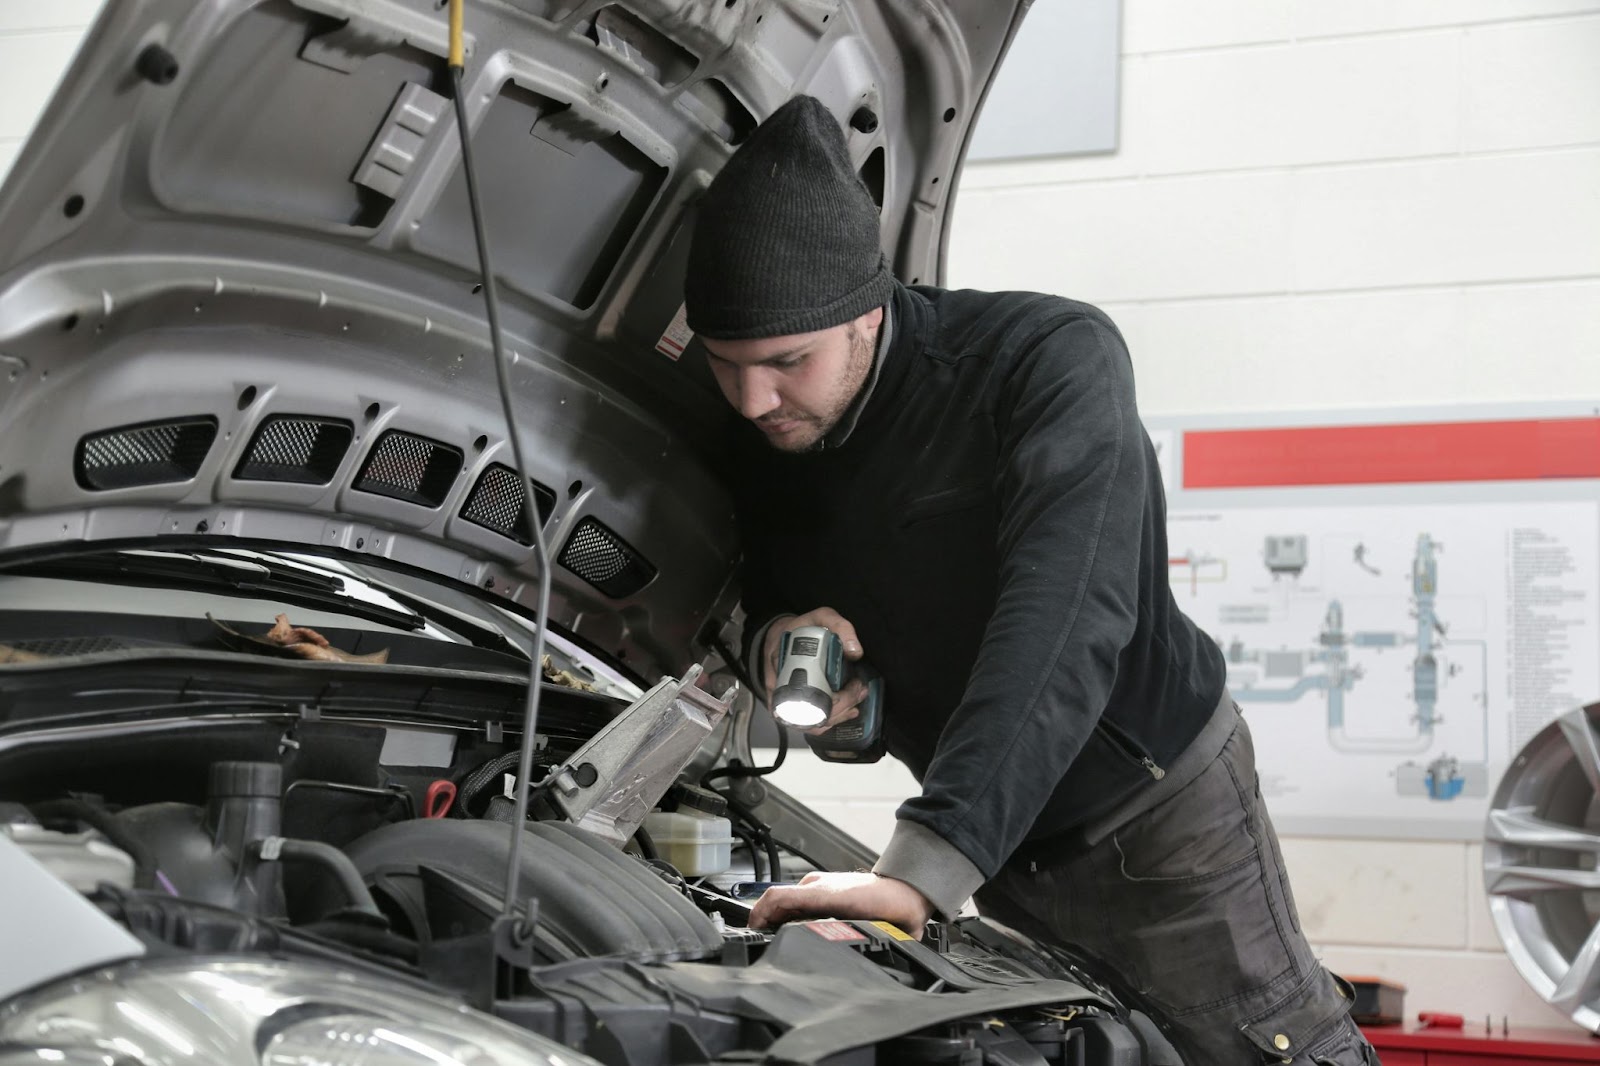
(844, 895)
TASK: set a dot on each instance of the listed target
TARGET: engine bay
(322, 828)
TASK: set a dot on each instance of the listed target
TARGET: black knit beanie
(787, 235)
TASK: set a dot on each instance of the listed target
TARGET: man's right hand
(847, 699)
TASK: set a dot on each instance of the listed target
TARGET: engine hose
(330, 858)
(481, 778)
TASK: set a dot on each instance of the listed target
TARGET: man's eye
(790, 364)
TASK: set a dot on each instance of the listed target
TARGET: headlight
(239, 1012)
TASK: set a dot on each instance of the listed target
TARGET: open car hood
(239, 293)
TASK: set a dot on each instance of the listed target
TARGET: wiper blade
(234, 575)
(478, 634)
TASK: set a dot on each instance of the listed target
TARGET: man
(959, 486)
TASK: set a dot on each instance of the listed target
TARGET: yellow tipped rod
(458, 47)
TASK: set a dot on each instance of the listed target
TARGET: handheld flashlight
(811, 669)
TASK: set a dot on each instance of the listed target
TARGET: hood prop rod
(523, 931)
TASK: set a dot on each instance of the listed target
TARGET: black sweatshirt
(995, 528)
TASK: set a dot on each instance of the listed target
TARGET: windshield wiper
(234, 575)
(478, 634)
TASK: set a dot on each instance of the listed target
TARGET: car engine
(313, 840)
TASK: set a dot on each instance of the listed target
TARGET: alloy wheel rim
(1541, 864)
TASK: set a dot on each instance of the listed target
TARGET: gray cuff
(930, 864)
(753, 663)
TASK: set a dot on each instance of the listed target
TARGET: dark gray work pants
(1188, 904)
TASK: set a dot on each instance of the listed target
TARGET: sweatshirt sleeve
(1071, 484)
(931, 865)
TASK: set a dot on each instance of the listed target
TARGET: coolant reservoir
(696, 842)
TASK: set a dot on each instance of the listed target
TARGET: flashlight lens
(800, 713)
(799, 704)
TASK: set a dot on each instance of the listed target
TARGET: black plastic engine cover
(592, 899)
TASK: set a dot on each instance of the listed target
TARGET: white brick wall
(37, 41)
(1322, 205)
(1315, 203)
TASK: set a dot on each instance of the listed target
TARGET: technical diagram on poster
(1164, 441)
(1390, 659)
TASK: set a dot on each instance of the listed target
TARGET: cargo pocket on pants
(1310, 1025)
(1188, 905)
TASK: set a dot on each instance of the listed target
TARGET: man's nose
(757, 394)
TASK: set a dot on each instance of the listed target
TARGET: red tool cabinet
(1411, 1045)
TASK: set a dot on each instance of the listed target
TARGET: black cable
(761, 830)
(749, 842)
(737, 769)
(797, 853)
(758, 831)
(396, 795)
(530, 511)
(774, 860)
(743, 812)
(734, 664)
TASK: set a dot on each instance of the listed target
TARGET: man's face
(796, 388)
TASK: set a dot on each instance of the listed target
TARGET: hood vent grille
(411, 468)
(296, 448)
(605, 560)
(497, 502)
(150, 453)
(54, 647)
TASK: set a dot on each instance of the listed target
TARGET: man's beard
(812, 429)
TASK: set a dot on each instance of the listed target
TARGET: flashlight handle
(818, 651)
(859, 740)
